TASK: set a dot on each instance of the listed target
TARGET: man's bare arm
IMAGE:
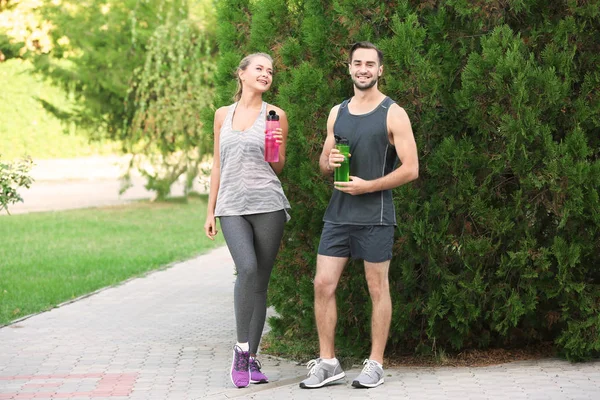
(325, 164)
(406, 148)
(403, 139)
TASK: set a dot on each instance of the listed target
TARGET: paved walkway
(164, 336)
(168, 335)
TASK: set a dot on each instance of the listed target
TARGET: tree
(166, 136)
(97, 46)
(139, 71)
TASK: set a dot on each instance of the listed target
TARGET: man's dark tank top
(372, 156)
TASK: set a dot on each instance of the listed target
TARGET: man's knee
(324, 287)
(379, 290)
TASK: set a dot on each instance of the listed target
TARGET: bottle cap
(341, 140)
(272, 116)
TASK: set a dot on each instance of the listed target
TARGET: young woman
(247, 197)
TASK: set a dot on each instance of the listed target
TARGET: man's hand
(355, 187)
(335, 158)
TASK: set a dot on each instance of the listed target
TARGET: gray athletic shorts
(372, 243)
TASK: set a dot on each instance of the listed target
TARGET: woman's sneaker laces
(255, 375)
(240, 371)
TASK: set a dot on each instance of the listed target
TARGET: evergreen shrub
(498, 241)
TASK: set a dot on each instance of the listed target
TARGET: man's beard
(364, 86)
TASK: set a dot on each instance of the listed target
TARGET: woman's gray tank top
(248, 184)
(372, 156)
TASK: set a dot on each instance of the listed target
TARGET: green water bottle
(342, 173)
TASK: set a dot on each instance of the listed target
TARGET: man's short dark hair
(366, 45)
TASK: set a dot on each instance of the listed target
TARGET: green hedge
(498, 241)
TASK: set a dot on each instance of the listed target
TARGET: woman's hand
(210, 227)
(278, 136)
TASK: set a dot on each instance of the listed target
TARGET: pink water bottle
(271, 147)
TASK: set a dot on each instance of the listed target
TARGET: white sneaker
(321, 373)
(370, 377)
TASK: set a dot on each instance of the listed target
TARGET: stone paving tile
(169, 334)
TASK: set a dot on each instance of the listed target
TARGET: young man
(360, 219)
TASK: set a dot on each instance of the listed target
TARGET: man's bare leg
(379, 289)
(329, 270)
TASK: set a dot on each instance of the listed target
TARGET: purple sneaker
(240, 373)
(255, 375)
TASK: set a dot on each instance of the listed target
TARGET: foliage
(498, 241)
(13, 175)
(91, 49)
(22, 30)
(104, 41)
(104, 54)
(170, 89)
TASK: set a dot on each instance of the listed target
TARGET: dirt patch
(473, 358)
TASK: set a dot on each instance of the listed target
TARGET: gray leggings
(253, 241)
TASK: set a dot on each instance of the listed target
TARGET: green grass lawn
(26, 128)
(49, 258)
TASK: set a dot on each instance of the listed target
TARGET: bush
(13, 175)
(498, 241)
